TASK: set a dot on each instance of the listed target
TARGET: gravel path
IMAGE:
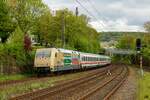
(128, 91)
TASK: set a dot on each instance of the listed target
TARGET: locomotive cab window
(43, 53)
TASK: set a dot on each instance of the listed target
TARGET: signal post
(138, 48)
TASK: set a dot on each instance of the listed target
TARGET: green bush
(14, 49)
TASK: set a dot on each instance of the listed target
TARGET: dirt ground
(129, 89)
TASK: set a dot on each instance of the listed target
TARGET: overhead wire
(89, 12)
(98, 12)
(94, 8)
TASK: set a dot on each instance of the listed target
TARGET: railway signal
(138, 48)
(138, 44)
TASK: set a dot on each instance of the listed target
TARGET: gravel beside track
(104, 90)
(94, 74)
(128, 91)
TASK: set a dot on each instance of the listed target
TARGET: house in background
(34, 40)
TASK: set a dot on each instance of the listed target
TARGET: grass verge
(13, 77)
(6, 93)
(144, 87)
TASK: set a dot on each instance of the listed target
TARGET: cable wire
(89, 12)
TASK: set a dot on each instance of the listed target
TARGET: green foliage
(26, 12)
(115, 36)
(6, 24)
(144, 90)
(78, 34)
(147, 26)
(15, 48)
(20, 17)
(127, 42)
(16, 37)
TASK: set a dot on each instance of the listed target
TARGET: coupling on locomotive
(58, 59)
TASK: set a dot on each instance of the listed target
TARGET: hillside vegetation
(21, 18)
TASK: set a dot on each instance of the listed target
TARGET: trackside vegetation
(128, 41)
(21, 19)
(10, 91)
(144, 87)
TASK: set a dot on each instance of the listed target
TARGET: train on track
(58, 59)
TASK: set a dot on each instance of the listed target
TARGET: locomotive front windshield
(43, 53)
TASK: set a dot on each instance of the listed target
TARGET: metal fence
(8, 65)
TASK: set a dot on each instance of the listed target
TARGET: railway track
(5, 84)
(108, 88)
(92, 76)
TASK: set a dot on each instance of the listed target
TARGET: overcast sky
(112, 15)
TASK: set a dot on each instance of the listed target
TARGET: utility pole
(63, 30)
(77, 12)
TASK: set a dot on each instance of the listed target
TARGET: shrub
(14, 49)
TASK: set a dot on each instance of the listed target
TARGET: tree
(27, 43)
(6, 23)
(26, 12)
(127, 42)
(43, 27)
(78, 34)
(16, 49)
(147, 26)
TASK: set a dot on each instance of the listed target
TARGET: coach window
(82, 58)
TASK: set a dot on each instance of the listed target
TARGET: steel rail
(56, 88)
(100, 87)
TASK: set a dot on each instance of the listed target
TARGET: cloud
(125, 15)
(116, 25)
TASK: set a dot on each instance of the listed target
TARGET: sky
(109, 15)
